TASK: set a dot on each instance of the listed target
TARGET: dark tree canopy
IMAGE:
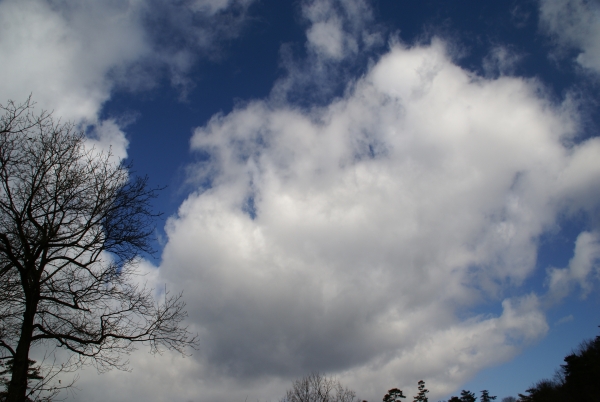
(72, 223)
(582, 371)
(576, 380)
(422, 395)
(467, 396)
(544, 391)
(486, 397)
(394, 395)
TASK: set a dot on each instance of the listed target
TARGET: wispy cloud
(564, 320)
(340, 38)
(576, 24)
(580, 271)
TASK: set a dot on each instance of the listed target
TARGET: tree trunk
(17, 388)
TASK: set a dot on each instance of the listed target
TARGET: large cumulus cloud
(355, 238)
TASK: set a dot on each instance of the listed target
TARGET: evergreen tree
(33, 374)
(422, 395)
(577, 380)
(394, 395)
(485, 396)
(545, 391)
(467, 396)
(582, 372)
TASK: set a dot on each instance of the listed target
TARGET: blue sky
(380, 190)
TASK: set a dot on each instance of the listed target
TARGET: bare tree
(316, 387)
(72, 225)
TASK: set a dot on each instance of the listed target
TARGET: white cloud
(585, 262)
(500, 61)
(354, 238)
(212, 7)
(63, 55)
(337, 27)
(339, 34)
(444, 358)
(447, 356)
(327, 38)
(565, 320)
(107, 137)
(71, 55)
(574, 23)
(169, 377)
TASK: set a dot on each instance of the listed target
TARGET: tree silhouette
(485, 396)
(394, 395)
(33, 374)
(72, 223)
(422, 395)
(544, 391)
(316, 387)
(467, 396)
(576, 380)
(582, 371)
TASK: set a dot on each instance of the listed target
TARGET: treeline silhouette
(396, 395)
(576, 380)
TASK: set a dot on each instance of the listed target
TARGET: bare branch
(72, 224)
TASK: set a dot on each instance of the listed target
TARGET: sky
(382, 191)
